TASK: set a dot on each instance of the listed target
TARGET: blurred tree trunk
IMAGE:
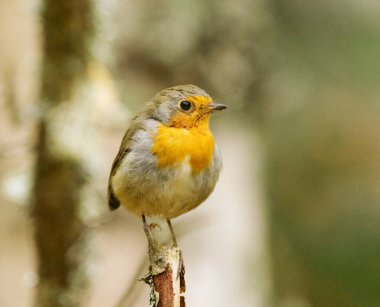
(60, 176)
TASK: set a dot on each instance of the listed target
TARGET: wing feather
(136, 124)
(113, 202)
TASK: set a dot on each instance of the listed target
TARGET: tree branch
(166, 273)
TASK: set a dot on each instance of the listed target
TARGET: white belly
(167, 192)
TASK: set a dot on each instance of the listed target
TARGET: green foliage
(322, 181)
(322, 155)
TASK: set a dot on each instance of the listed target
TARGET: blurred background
(295, 218)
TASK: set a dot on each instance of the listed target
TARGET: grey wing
(136, 124)
(113, 202)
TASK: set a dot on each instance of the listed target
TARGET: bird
(168, 162)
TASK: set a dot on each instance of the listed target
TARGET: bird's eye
(185, 105)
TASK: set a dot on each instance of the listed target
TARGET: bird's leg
(147, 232)
(172, 233)
(181, 267)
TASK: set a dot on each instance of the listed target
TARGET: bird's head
(184, 106)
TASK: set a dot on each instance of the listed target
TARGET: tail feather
(113, 202)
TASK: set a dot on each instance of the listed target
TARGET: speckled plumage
(141, 182)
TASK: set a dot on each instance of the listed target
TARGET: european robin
(168, 162)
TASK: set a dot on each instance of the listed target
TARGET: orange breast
(173, 145)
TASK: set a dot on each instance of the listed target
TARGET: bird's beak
(214, 106)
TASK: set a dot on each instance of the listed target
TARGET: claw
(181, 266)
(147, 278)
